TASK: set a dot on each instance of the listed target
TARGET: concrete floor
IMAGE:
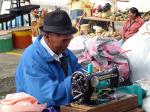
(8, 63)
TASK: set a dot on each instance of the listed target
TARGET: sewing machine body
(86, 94)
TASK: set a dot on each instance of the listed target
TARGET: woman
(132, 24)
(76, 9)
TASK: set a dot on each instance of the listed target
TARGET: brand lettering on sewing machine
(107, 76)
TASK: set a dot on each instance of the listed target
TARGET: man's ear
(46, 35)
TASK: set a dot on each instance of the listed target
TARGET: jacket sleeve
(47, 89)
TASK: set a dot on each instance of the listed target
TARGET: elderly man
(46, 66)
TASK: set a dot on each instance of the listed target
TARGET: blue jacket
(41, 76)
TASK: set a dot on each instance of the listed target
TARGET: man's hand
(81, 87)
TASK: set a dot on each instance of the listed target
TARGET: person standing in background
(76, 9)
(132, 24)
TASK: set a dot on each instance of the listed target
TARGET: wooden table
(128, 103)
(92, 18)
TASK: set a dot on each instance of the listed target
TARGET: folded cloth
(20, 102)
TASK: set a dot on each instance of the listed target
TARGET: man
(40, 72)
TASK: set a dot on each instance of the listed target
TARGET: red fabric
(129, 29)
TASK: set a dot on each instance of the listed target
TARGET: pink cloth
(104, 53)
(20, 102)
(129, 29)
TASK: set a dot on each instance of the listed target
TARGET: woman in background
(132, 24)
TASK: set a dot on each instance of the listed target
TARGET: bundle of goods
(146, 15)
(119, 16)
(99, 32)
(102, 12)
(88, 8)
(85, 28)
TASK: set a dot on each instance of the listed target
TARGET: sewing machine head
(84, 86)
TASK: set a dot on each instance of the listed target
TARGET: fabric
(104, 53)
(129, 29)
(121, 41)
(20, 102)
(134, 89)
(41, 76)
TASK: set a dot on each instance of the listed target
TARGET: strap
(64, 65)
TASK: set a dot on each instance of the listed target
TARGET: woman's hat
(58, 21)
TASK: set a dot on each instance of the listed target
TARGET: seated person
(132, 24)
(46, 66)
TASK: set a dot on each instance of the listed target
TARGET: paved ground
(8, 62)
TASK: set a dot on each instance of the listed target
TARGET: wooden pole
(114, 6)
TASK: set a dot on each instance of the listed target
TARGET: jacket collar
(136, 19)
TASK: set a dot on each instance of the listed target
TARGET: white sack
(139, 56)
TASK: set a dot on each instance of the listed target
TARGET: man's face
(59, 42)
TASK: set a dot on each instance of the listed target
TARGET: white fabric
(77, 44)
(145, 84)
(146, 104)
(139, 54)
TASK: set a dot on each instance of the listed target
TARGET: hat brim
(71, 30)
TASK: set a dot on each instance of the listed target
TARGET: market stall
(105, 85)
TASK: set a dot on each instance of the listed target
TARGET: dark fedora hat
(58, 21)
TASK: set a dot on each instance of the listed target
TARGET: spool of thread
(90, 68)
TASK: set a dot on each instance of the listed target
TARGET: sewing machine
(84, 86)
(111, 101)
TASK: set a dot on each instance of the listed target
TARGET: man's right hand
(81, 87)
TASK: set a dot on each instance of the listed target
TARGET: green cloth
(134, 89)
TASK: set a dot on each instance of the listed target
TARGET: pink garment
(104, 53)
(129, 29)
(20, 102)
